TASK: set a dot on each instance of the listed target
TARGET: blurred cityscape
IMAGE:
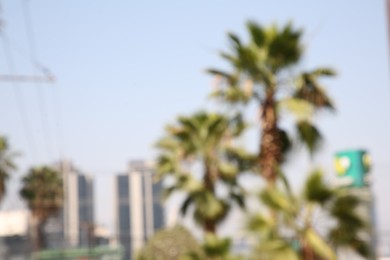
(257, 167)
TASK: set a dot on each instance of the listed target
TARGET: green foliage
(262, 72)
(274, 199)
(262, 225)
(178, 244)
(204, 139)
(274, 249)
(309, 135)
(315, 190)
(213, 248)
(7, 165)
(292, 218)
(170, 244)
(319, 245)
(349, 224)
(209, 208)
(216, 247)
(310, 90)
(43, 191)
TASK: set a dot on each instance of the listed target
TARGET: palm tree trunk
(35, 234)
(270, 144)
(209, 178)
(38, 233)
(41, 234)
(307, 252)
(210, 226)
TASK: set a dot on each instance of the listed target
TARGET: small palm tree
(204, 141)
(6, 165)
(178, 244)
(43, 192)
(170, 244)
(291, 230)
(264, 71)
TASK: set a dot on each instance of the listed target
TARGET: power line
(39, 91)
(47, 75)
(19, 98)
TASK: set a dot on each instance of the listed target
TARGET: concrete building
(73, 226)
(14, 238)
(138, 209)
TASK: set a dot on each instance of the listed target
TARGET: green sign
(352, 168)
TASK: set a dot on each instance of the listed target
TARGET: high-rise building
(73, 225)
(138, 208)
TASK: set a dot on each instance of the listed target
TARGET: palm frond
(309, 135)
(309, 89)
(186, 204)
(315, 189)
(260, 223)
(276, 200)
(275, 249)
(299, 108)
(319, 245)
(256, 33)
(215, 246)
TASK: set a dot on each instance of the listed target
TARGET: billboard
(352, 168)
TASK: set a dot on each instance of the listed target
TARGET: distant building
(138, 208)
(14, 238)
(73, 226)
(14, 223)
(102, 236)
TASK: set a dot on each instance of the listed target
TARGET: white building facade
(73, 225)
(138, 208)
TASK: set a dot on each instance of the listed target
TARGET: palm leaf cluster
(290, 228)
(42, 190)
(205, 141)
(263, 70)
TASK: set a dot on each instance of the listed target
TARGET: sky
(124, 69)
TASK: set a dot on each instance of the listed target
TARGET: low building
(14, 235)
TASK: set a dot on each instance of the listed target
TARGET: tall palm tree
(43, 192)
(204, 141)
(312, 225)
(6, 165)
(264, 70)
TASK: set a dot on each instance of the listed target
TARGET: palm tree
(6, 165)
(43, 192)
(264, 71)
(313, 225)
(204, 141)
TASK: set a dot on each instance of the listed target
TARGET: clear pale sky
(126, 68)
